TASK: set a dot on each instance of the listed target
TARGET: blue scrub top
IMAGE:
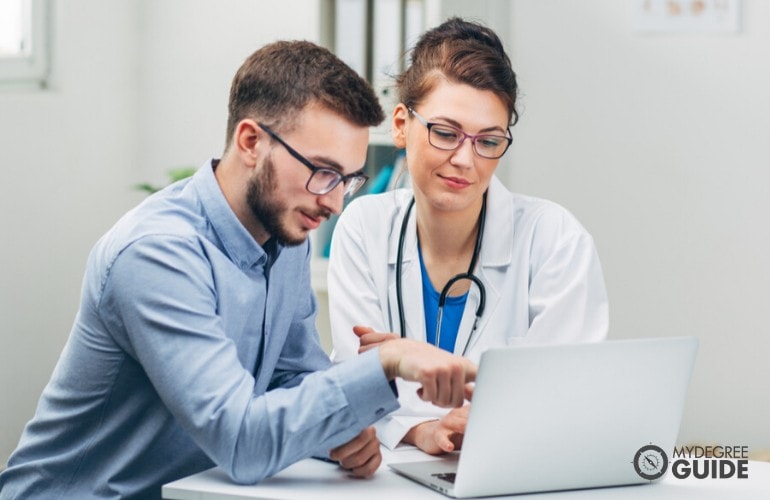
(453, 311)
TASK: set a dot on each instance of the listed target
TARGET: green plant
(175, 174)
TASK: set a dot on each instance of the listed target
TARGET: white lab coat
(543, 280)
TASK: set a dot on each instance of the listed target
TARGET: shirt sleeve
(302, 349)
(160, 300)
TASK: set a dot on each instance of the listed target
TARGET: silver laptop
(562, 417)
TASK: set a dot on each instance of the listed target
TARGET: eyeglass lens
(448, 138)
(324, 180)
(488, 146)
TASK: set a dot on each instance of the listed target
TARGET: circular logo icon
(650, 462)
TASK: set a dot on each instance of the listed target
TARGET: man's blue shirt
(182, 357)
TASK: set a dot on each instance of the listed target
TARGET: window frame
(32, 66)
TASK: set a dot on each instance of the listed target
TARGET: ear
(248, 138)
(398, 125)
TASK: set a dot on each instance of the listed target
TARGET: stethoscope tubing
(444, 291)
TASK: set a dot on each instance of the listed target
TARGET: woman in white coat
(529, 272)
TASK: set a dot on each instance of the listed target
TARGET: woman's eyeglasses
(448, 138)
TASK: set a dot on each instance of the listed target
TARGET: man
(195, 342)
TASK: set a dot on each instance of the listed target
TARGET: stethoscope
(444, 291)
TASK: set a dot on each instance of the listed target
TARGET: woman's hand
(370, 339)
(436, 437)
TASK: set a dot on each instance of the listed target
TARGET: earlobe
(398, 125)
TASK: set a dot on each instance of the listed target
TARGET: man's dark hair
(280, 79)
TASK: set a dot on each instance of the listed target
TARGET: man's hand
(442, 375)
(361, 455)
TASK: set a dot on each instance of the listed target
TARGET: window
(23, 41)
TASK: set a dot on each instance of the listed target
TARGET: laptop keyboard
(446, 476)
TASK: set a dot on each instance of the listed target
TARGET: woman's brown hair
(463, 52)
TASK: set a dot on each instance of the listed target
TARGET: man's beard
(266, 206)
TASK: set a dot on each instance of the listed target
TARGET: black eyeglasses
(448, 138)
(322, 180)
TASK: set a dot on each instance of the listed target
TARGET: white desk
(312, 479)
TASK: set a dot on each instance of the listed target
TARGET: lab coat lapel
(411, 285)
(411, 279)
(496, 253)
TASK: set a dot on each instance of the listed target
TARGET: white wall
(137, 88)
(67, 159)
(659, 144)
(190, 52)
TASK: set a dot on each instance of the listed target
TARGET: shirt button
(379, 412)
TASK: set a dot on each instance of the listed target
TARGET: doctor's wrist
(421, 436)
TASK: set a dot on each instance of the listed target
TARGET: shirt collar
(236, 241)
